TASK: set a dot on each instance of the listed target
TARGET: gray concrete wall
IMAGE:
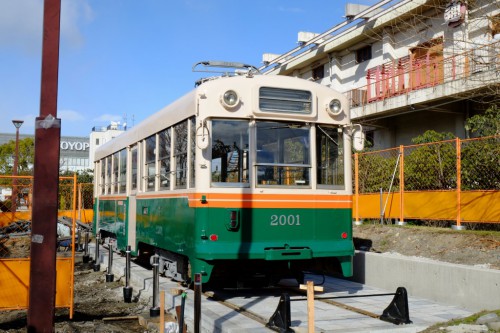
(472, 288)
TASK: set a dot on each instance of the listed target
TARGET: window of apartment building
(318, 72)
(97, 141)
(363, 54)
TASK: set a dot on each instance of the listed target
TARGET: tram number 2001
(277, 220)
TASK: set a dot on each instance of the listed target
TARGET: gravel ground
(99, 307)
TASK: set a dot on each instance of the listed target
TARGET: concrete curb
(472, 288)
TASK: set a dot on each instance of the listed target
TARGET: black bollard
(97, 260)
(109, 276)
(181, 315)
(78, 246)
(127, 290)
(86, 257)
(154, 311)
(197, 302)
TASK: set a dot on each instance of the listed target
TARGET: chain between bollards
(127, 290)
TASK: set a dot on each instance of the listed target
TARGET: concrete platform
(473, 288)
(218, 318)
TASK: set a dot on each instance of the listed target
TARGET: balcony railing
(407, 74)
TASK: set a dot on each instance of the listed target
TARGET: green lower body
(225, 241)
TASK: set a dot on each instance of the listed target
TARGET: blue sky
(125, 59)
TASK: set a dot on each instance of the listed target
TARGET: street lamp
(17, 124)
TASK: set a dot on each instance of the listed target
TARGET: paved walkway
(218, 318)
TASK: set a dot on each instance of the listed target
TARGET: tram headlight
(334, 107)
(230, 99)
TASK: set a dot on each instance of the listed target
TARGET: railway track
(244, 301)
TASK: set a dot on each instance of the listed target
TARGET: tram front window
(329, 155)
(283, 154)
(229, 152)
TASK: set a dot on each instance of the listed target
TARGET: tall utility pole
(42, 294)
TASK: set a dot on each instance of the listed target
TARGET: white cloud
(70, 115)
(106, 118)
(21, 23)
(72, 12)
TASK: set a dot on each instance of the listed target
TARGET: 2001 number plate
(277, 220)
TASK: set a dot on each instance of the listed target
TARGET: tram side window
(122, 181)
(180, 153)
(108, 175)
(192, 152)
(330, 160)
(150, 165)
(230, 140)
(133, 173)
(283, 151)
(114, 180)
(164, 144)
(102, 178)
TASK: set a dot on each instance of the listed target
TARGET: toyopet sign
(74, 145)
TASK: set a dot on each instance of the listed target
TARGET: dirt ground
(468, 247)
(99, 306)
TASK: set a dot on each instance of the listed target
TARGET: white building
(407, 66)
(103, 134)
(73, 153)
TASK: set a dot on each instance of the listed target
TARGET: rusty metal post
(41, 310)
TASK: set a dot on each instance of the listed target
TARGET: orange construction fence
(456, 180)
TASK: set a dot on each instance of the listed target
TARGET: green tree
(485, 124)
(85, 177)
(431, 166)
(480, 159)
(375, 173)
(25, 157)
